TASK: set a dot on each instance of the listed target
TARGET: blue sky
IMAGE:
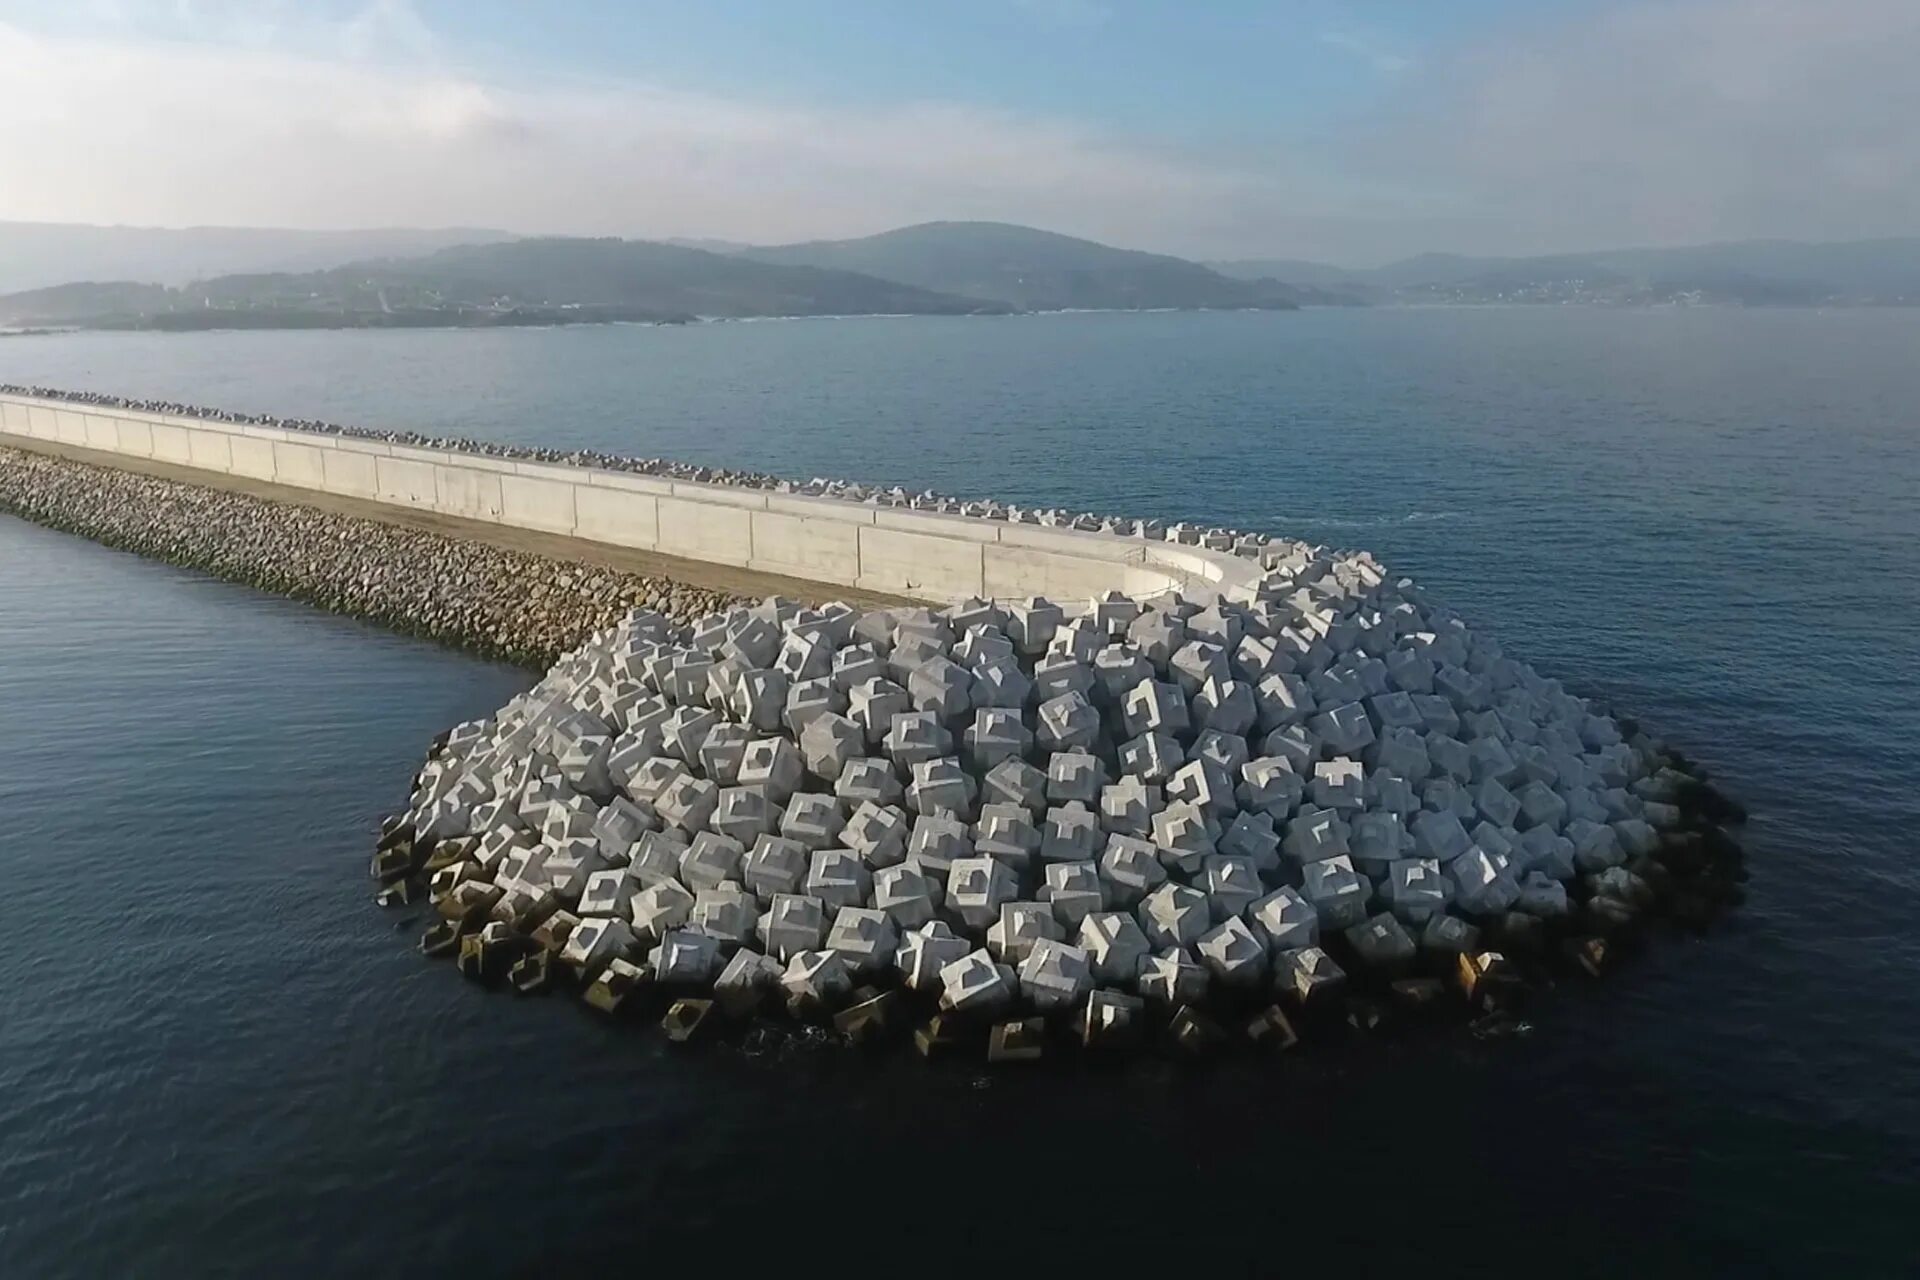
(1354, 130)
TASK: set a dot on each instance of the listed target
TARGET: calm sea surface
(217, 1057)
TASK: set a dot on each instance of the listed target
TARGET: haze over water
(215, 1053)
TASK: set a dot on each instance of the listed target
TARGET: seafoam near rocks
(1322, 783)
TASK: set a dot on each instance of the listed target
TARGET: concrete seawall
(831, 541)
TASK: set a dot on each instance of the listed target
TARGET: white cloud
(1656, 121)
(174, 133)
(1671, 122)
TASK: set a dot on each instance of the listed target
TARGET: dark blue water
(216, 1056)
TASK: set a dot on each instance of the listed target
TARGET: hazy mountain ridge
(35, 255)
(1032, 270)
(524, 281)
(1754, 272)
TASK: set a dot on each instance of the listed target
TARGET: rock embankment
(494, 601)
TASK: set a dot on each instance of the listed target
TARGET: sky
(1346, 131)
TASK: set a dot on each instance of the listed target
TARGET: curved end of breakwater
(1007, 831)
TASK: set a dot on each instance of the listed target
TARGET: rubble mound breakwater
(494, 601)
(1321, 800)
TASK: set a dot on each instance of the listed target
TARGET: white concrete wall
(911, 553)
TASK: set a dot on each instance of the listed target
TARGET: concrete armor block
(925, 952)
(1152, 758)
(868, 780)
(1074, 777)
(1235, 956)
(1068, 722)
(793, 924)
(1172, 977)
(659, 909)
(1174, 916)
(878, 833)
(908, 895)
(1015, 782)
(1314, 835)
(1055, 975)
(915, 738)
(1286, 920)
(711, 859)
(726, 913)
(1007, 834)
(1415, 889)
(1127, 806)
(1339, 894)
(1131, 869)
(775, 865)
(813, 820)
(1021, 924)
(839, 878)
(1340, 784)
(1251, 836)
(864, 937)
(995, 736)
(1231, 884)
(974, 984)
(1074, 890)
(744, 814)
(937, 840)
(976, 890)
(1181, 835)
(872, 705)
(1071, 833)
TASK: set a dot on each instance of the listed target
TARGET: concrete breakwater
(501, 603)
(1321, 799)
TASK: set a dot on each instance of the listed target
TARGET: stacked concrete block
(1160, 794)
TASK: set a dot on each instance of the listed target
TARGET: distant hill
(1031, 270)
(515, 281)
(34, 255)
(1750, 272)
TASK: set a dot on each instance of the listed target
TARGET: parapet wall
(828, 540)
